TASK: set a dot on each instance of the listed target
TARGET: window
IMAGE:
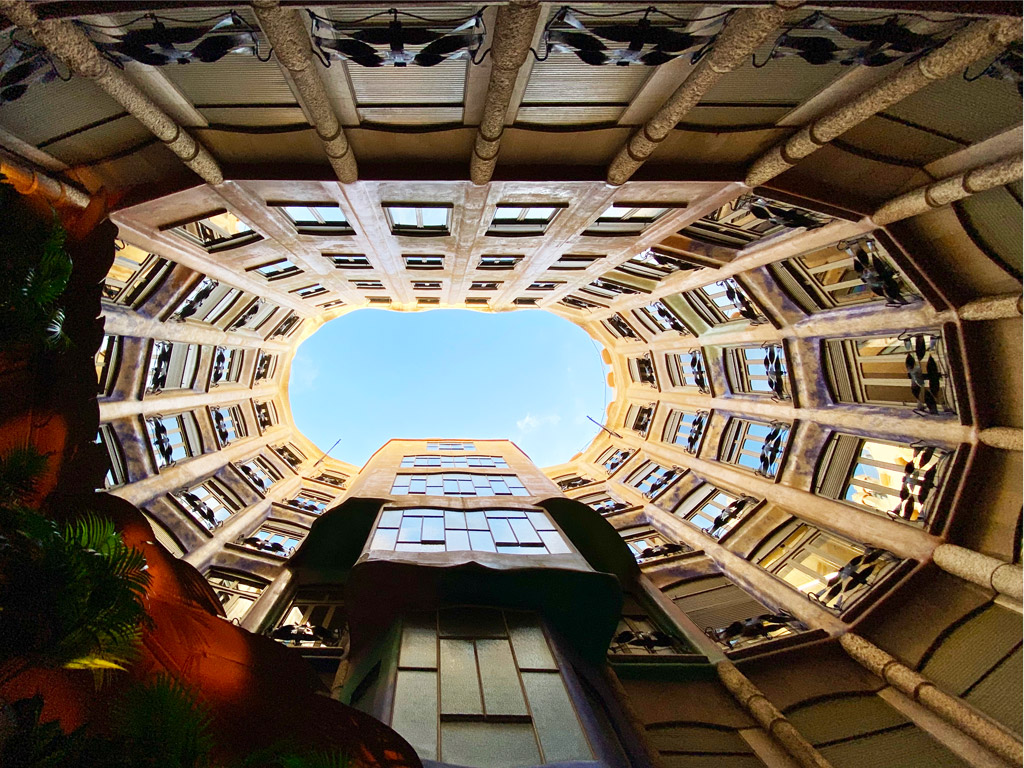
(754, 445)
(227, 365)
(430, 219)
(524, 302)
(686, 428)
(260, 472)
(275, 270)
(108, 361)
(449, 446)
(208, 302)
(331, 304)
(286, 327)
(653, 264)
(253, 316)
(291, 455)
(843, 275)
(602, 503)
(660, 317)
(619, 328)
(427, 300)
(117, 470)
(236, 593)
(723, 302)
(274, 539)
(749, 219)
(513, 220)
(471, 681)
(638, 635)
(426, 285)
(173, 438)
(310, 502)
(476, 462)
(310, 291)
(338, 481)
(210, 503)
(646, 543)
(266, 414)
(826, 568)
(758, 371)
(228, 424)
(607, 288)
(902, 481)
(379, 299)
(570, 263)
(505, 531)
(652, 479)
(457, 484)
(641, 370)
(348, 261)
(315, 619)
(714, 511)
(545, 285)
(315, 218)
(639, 418)
(625, 219)
(481, 285)
(687, 370)
(368, 285)
(614, 458)
(172, 365)
(216, 231)
(134, 275)
(416, 261)
(909, 371)
(266, 364)
(498, 262)
(476, 300)
(570, 482)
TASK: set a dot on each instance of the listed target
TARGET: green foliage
(19, 471)
(71, 596)
(36, 272)
(162, 724)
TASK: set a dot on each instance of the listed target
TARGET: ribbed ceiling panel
(36, 118)
(568, 115)
(235, 79)
(564, 79)
(440, 84)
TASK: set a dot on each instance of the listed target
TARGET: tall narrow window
(825, 567)
(227, 365)
(228, 423)
(688, 370)
(216, 231)
(108, 362)
(473, 680)
(714, 511)
(639, 418)
(686, 428)
(758, 371)
(236, 593)
(754, 445)
(209, 503)
(902, 481)
(117, 469)
(173, 438)
(266, 414)
(266, 364)
(641, 370)
(909, 371)
(172, 365)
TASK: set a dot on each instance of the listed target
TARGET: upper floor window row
(450, 446)
(505, 531)
(215, 231)
(481, 462)
(456, 484)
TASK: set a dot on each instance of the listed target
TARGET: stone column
(287, 34)
(70, 44)
(29, 181)
(267, 602)
(980, 40)
(949, 190)
(989, 572)
(513, 33)
(950, 708)
(768, 717)
(743, 33)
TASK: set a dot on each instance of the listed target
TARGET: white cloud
(304, 374)
(529, 422)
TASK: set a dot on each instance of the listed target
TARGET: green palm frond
(20, 470)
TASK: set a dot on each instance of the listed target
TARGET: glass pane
(558, 728)
(460, 689)
(435, 217)
(471, 622)
(481, 541)
(384, 538)
(476, 521)
(456, 541)
(419, 641)
(488, 745)
(498, 678)
(403, 217)
(528, 640)
(415, 713)
(554, 542)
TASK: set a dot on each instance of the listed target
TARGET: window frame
(623, 226)
(179, 228)
(419, 229)
(523, 225)
(318, 225)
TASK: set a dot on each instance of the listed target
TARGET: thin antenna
(329, 450)
(602, 426)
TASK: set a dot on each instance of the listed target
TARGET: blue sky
(371, 375)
